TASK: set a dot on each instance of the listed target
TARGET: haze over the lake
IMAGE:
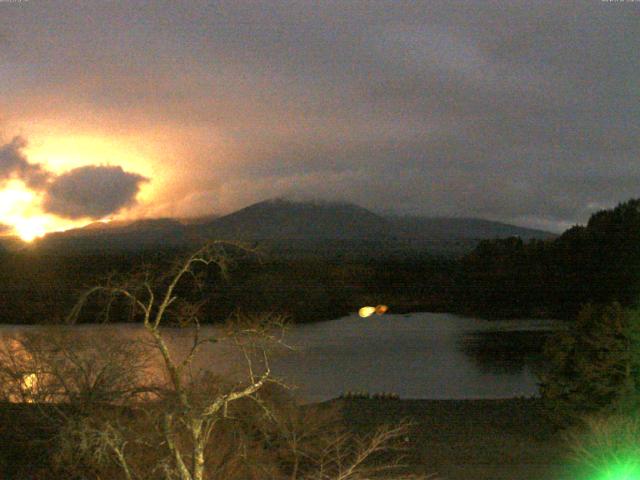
(526, 112)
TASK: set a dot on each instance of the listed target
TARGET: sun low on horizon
(20, 212)
(27, 212)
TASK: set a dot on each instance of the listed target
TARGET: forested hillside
(596, 263)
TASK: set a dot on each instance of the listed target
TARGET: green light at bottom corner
(626, 470)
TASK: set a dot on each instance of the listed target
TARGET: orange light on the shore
(380, 309)
(365, 312)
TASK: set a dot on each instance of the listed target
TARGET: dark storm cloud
(14, 164)
(519, 111)
(92, 191)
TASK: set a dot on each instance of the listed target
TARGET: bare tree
(316, 445)
(185, 405)
(194, 425)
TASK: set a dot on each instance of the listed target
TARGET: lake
(418, 355)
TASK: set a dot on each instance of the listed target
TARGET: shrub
(594, 366)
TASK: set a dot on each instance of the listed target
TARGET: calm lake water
(418, 355)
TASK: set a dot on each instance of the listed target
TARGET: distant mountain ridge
(446, 228)
(283, 220)
(126, 236)
(287, 219)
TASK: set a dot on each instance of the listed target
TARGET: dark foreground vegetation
(458, 440)
(590, 390)
(472, 439)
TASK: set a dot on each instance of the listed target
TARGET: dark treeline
(37, 288)
(314, 289)
(596, 263)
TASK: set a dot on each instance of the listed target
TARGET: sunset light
(62, 182)
(15, 198)
(60, 153)
(29, 229)
(20, 211)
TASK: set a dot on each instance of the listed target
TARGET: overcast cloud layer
(525, 112)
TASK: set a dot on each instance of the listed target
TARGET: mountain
(281, 219)
(294, 225)
(198, 220)
(286, 219)
(11, 243)
(122, 236)
(447, 228)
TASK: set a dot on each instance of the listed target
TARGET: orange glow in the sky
(60, 153)
(20, 210)
(28, 229)
(20, 207)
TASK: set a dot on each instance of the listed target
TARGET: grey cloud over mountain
(92, 191)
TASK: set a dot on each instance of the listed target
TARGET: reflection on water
(420, 355)
(505, 352)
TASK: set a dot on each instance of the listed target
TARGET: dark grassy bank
(457, 439)
(471, 439)
(25, 442)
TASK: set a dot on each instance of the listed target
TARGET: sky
(526, 112)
